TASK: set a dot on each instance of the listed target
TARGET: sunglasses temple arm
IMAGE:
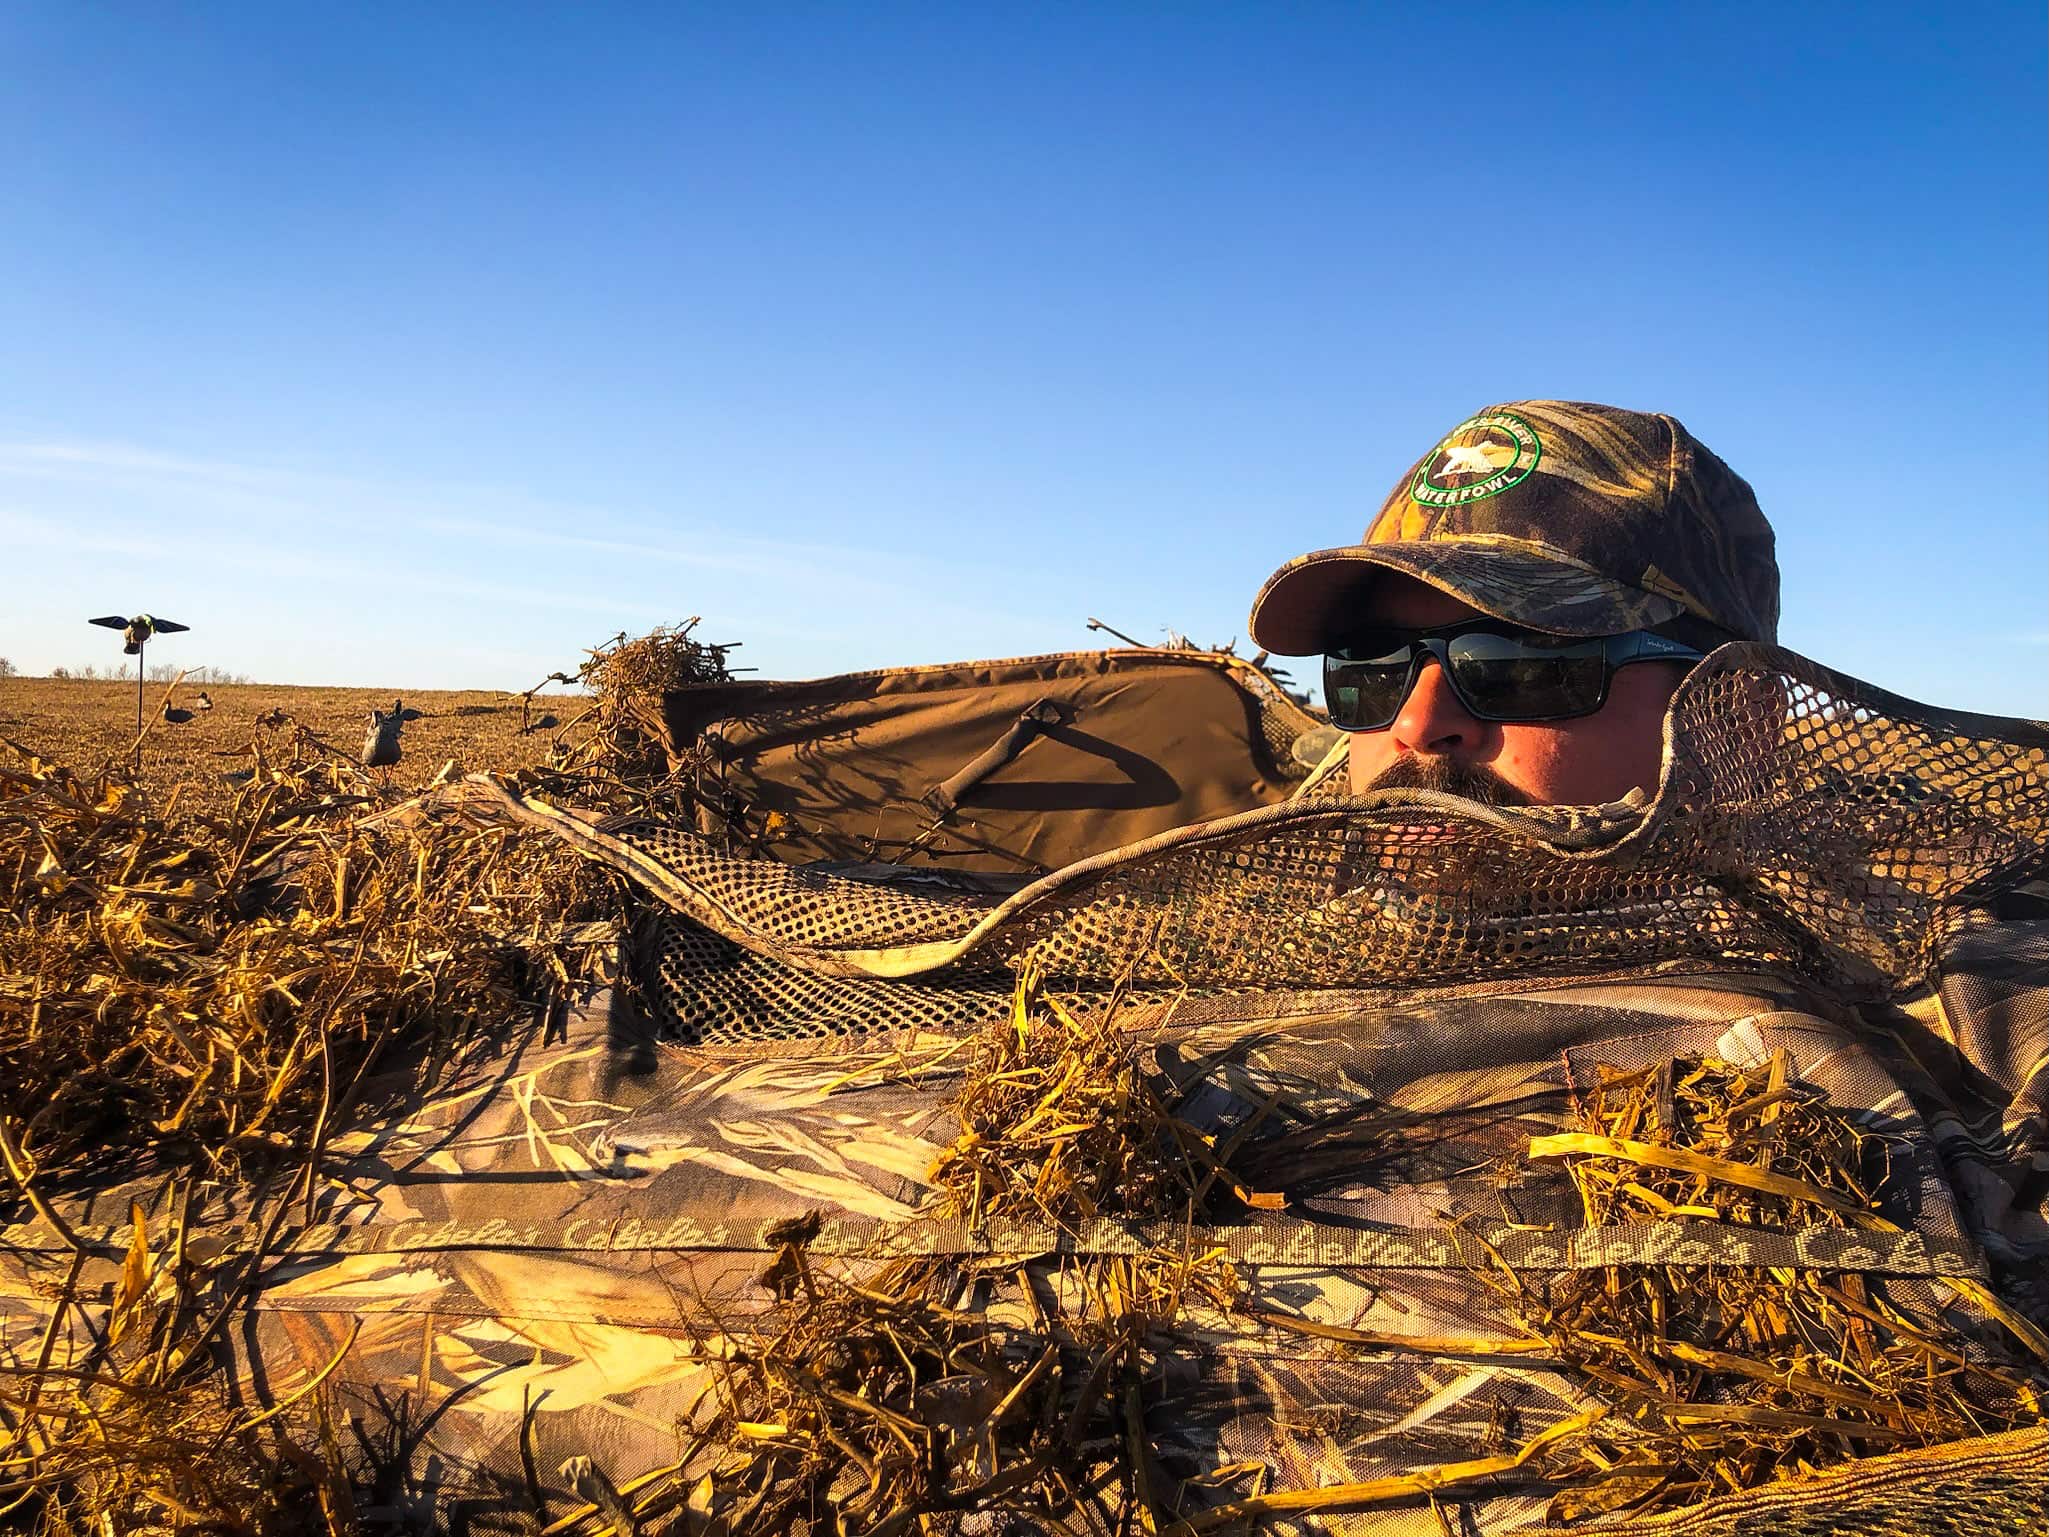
(1647, 647)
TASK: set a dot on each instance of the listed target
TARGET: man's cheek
(1369, 754)
(1539, 760)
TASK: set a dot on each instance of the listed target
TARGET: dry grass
(1063, 1119)
(874, 1408)
(1702, 1379)
(203, 996)
(1725, 1377)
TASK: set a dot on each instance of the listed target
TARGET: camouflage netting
(1664, 1167)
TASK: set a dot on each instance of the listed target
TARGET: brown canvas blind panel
(1008, 767)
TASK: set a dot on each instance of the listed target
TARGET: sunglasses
(1498, 672)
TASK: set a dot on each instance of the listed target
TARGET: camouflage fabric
(540, 1260)
(1570, 518)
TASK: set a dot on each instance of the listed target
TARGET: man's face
(1435, 744)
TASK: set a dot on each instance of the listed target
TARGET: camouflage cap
(1569, 518)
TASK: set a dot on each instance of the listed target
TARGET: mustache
(1473, 781)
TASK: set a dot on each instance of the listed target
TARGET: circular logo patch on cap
(1478, 459)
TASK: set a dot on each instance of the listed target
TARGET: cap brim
(1318, 599)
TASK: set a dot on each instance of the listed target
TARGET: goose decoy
(175, 716)
(380, 742)
(202, 702)
(273, 719)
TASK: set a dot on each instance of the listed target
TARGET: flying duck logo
(1478, 459)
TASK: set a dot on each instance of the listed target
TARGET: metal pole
(140, 649)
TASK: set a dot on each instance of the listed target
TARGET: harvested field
(84, 724)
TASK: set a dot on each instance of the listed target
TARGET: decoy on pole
(136, 633)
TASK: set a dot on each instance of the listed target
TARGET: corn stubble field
(84, 723)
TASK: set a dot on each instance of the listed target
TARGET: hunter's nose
(1432, 720)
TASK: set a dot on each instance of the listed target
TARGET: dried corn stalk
(615, 755)
(872, 1407)
(1062, 1118)
(1721, 1378)
(203, 996)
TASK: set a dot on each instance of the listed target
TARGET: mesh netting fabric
(1805, 823)
(804, 906)
(1987, 1488)
(1280, 724)
(705, 989)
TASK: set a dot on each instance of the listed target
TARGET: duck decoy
(136, 634)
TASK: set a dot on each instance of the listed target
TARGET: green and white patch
(1479, 458)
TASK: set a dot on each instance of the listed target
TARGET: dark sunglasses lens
(1509, 678)
(1365, 693)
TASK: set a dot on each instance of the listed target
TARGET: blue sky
(424, 346)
